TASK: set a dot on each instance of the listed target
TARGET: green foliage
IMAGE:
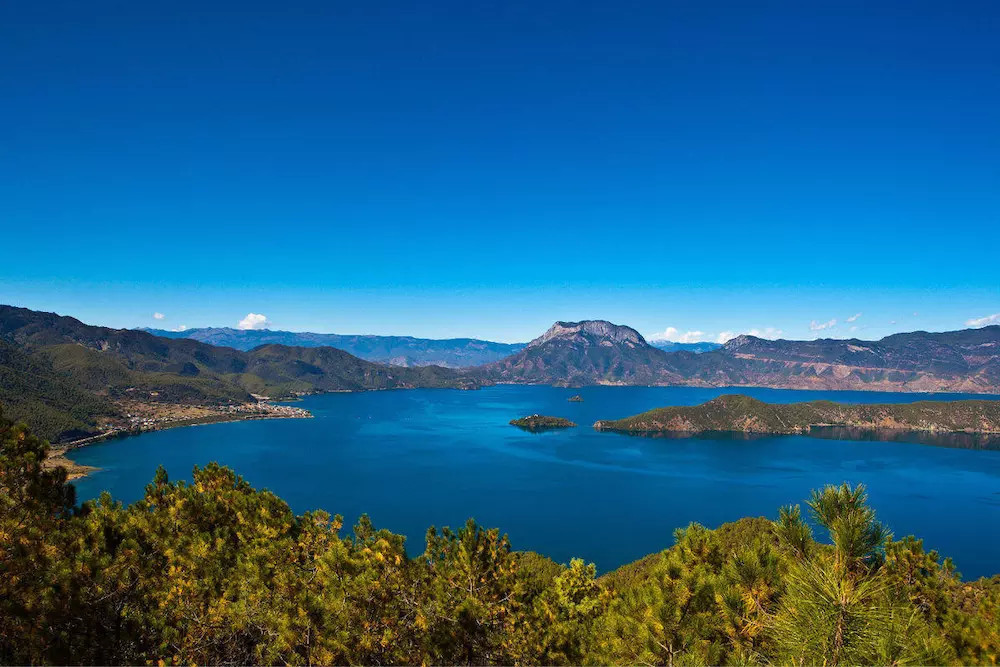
(217, 572)
(793, 531)
(857, 535)
(541, 423)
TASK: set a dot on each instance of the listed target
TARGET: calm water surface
(412, 459)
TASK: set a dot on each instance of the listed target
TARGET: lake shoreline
(453, 454)
(58, 454)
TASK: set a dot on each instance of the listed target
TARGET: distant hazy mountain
(396, 350)
(697, 348)
(598, 352)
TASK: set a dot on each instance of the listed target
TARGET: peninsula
(743, 414)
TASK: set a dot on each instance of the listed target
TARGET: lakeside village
(140, 416)
(147, 417)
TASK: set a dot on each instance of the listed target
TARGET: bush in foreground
(217, 572)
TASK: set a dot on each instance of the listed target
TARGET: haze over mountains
(64, 376)
(396, 350)
(697, 348)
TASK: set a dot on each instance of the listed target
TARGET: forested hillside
(65, 376)
(54, 404)
(216, 572)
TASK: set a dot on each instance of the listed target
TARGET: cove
(415, 458)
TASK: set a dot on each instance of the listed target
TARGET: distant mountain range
(697, 348)
(63, 376)
(395, 350)
(598, 352)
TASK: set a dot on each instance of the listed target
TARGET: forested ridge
(739, 413)
(216, 572)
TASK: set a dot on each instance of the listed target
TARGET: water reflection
(935, 438)
(701, 435)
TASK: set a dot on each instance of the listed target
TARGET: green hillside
(31, 390)
(62, 375)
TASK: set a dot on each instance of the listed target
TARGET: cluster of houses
(259, 409)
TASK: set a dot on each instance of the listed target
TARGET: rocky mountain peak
(740, 341)
(600, 331)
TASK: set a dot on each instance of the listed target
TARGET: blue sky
(483, 169)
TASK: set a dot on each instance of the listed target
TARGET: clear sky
(483, 169)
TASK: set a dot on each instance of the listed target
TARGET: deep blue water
(412, 459)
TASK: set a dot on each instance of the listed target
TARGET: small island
(743, 414)
(575, 399)
(536, 423)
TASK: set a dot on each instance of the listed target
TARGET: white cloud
(854, 317)
(767, 332)
(182, 327)
(983, 321)
(254, 321)
(819, 326)
(675, 336)
(158, 316)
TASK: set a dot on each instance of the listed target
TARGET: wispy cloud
(182, 327)
(983, 321)
(854, 317)
(767, 332)
(254, 321)
(158, 316)
(819, 326)
(675, 336)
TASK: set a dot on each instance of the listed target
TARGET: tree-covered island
(541, 423)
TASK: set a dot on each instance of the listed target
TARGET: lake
(415, 458)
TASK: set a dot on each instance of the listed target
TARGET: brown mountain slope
(598, 352)
(582, 353)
